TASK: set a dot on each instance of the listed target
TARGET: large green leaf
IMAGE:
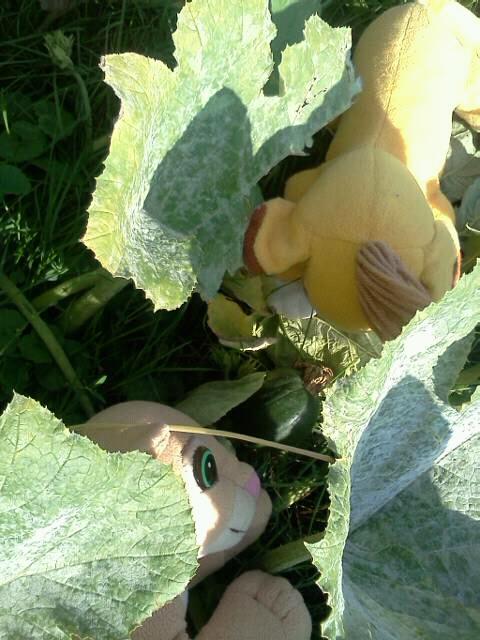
(90, 542)
(289, 17)
(211, 401)
(468, 223)
(462, 165)
(468, 214)
(12, 180)
(172, 204)
(401, 552)
(314, 339)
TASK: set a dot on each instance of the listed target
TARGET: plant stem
(45, 333)
(254, 440)
(289, 555)
(296, 492)
(66, 289)
(101, 143)
(86, 105)
(219, 433)
(97, 297)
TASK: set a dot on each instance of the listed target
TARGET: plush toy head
(225, 494)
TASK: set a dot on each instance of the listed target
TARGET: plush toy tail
(389, 294)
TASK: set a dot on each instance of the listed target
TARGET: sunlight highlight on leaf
(190, 145)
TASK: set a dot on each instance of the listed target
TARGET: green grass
(122, 350)
(41, 231)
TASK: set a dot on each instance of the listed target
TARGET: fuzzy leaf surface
(91, 543)
(171, 207)
(343, 352)
(402, 548)
(289, 17)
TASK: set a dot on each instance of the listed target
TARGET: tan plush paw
(278, 597)
(258, 606)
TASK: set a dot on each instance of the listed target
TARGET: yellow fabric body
(418, 63)
(335, 226)
(415, 71)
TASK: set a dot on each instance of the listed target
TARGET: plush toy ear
(139, 426)
(389, 294)
(151, 438)
(275, 239)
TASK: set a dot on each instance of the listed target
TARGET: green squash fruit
(283, 410)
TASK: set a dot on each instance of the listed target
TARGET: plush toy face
(225, 494)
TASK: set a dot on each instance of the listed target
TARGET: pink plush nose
(253, 485)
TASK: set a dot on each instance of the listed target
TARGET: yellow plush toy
(369, 232)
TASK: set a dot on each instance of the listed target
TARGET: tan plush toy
(369, 232)
(230, 511)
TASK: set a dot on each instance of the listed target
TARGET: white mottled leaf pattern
(401, 552)
(91, 543)
(171, 207)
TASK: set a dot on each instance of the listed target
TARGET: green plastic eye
(204, 468)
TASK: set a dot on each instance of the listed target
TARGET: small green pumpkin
(283, 410)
